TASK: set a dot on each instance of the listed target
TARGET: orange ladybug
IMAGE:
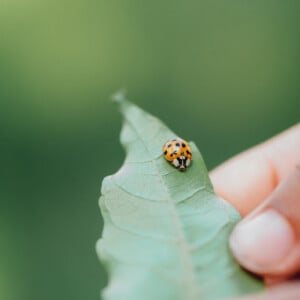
(178, 153)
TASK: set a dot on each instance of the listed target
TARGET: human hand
(263, 183)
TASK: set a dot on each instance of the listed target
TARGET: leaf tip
(119, 96)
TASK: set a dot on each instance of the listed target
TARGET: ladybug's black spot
(177, 144)
(169, 145)
(171, 154)
(183, 145)
(188, 152)
(165, 152)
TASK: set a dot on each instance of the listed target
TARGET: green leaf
(165, 233)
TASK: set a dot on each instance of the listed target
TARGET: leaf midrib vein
(191, 283)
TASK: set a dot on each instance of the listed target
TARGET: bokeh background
(222, 73)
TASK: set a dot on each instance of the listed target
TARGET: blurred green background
(222, 73)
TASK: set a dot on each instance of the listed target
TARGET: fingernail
(262, 241)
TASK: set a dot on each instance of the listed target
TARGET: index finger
(249, 178)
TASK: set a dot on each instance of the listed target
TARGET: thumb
(267, 241)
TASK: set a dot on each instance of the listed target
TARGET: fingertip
(262, 243)
(244, 181)
(249, 178)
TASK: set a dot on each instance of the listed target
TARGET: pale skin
(263, 183)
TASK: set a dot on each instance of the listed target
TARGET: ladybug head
(182, 163)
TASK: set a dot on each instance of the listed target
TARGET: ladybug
(178, 152)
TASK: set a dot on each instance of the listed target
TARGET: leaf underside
(165, 233)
